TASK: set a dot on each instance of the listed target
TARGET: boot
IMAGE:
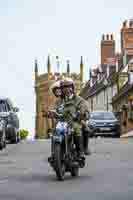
(79, 147)
(85, 145)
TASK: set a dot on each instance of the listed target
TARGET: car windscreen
(102, 116)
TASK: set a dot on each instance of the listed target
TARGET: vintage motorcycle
(64, 156)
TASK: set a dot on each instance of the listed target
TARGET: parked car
(3, 118)
(12, 120)
(104, 123)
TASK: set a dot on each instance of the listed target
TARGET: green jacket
(73, 105)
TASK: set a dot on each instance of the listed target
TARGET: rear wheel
(75, 171)
(59, 165)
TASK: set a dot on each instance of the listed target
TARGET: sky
(32, 29)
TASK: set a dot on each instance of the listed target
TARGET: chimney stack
(48, 67)
(111, 36)
(107, 36)
(125, 24)
(107, 48)
(68, 67)
(131, 23)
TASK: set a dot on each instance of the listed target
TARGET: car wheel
(3, 141)
(1, 144)
(14, 138)
(117, 135)
(18, 137)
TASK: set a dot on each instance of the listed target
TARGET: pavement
(129, 134)
(26, 175)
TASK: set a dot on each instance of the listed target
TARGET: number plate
(105, 129)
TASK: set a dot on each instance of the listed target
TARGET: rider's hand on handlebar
(48, 114)
(83, 122)
(44, 113)
(51, 114)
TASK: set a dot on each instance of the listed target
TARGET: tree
(23, 133)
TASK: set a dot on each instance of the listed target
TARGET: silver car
(104, 123)
(11, 119)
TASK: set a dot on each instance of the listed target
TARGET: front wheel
(59, 165)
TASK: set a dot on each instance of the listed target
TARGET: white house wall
(100, 100)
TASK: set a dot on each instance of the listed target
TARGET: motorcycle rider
(56, 90)
(86, 134)
(72, 104)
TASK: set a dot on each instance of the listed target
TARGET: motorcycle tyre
(75, 172)
(59, 166)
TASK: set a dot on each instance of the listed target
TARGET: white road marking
(27, 171)
(4, 180)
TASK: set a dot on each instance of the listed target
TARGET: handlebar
(74, 116)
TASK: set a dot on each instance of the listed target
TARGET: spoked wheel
(59, 165)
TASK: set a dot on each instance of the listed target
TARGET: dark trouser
(85, 135)
(79, 145)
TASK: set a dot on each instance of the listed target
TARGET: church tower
(81, 69)
(49, 67)
(68, 68)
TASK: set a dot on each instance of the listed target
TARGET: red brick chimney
(107, 48)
